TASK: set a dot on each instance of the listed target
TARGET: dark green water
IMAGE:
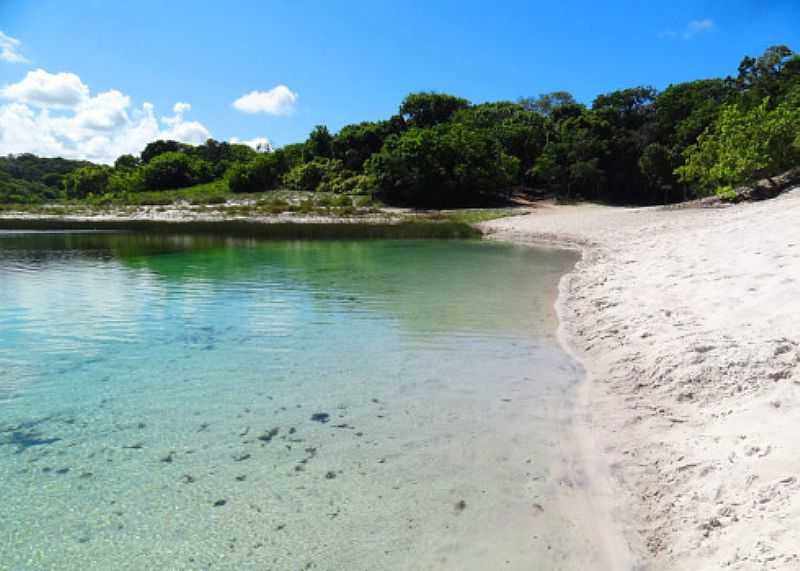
(175, 402)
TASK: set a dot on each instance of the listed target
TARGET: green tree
(427, 109)
(571, 162)
(309, 176)
(175, 170)
(769, 75)
(354, 144)
(121, 181)
(444, 166)
(626, 123)
(318, 144)
(520, 133)
(684, 110)
(126, 162)
(261, 174)
(86, 181)
(743, 145)
(293, 154)
(160, 147)
(657, 165)
(546, 104)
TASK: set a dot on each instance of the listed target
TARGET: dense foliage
(634, 146)
(744, 145)
(444, 166)
(162, 165)
(26, 178)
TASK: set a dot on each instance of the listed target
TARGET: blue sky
(348, 61)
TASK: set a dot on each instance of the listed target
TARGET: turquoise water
(172, 402)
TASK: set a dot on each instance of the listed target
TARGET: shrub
(85, 181)
(356, 184)
(274, 205)
(342, 201)
(123, 180)
(448, 165)
(213, 198)
(743, 145)
(726, 193)
(160, 147)
(175, 170)
(262, 174)
(429, 108)
(309, 176)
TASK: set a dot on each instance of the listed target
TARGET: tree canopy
(632, 146)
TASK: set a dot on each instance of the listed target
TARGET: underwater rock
(461, 505)
(25, 440)
(321, 417)
(268, 436)
(311, 451)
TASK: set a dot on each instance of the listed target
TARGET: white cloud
(187, 131)
(691, 29)
(180, 107)
(105, 111)
(697, 27)
(260, 144)
(9, 49)
(58, 90)
(280, 100)
(56, 115)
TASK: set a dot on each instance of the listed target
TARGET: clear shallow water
(198, 403)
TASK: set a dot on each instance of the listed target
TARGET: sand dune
(688, 322)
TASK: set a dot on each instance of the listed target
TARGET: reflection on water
(189, 402)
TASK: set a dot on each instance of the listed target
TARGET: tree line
(632, 146)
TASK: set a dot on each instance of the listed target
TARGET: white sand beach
(688, 322)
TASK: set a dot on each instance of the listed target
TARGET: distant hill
(27, 178)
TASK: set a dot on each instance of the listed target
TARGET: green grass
(214, 192)
(471, 215)
(254, 229)
(217, 199)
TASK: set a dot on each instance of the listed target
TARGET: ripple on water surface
(192, 403)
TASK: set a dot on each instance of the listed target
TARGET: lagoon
(190, 402)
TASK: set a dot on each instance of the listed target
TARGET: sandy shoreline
(686, 321)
